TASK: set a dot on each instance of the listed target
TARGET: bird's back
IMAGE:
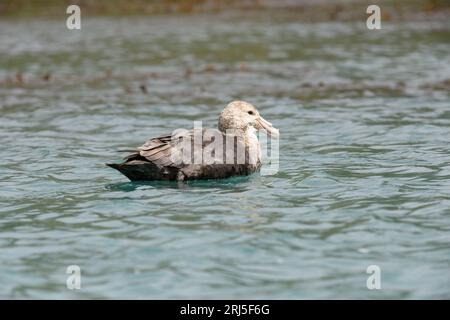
(167, 157)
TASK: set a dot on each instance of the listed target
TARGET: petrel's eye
(250, 112)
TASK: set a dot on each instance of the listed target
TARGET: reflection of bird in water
(233, 150)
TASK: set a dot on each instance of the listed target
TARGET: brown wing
(162, 151)
(165, 158)
(170, 150)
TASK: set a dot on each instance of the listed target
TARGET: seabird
(232, 150)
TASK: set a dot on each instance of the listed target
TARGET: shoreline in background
(307, 10)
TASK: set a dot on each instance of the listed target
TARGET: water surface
(364, 159)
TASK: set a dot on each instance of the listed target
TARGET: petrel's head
(241, 115)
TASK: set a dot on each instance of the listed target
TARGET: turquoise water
(364, 174)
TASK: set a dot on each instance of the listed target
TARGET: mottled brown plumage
(165, 157)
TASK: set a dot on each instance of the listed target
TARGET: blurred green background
(304, 9)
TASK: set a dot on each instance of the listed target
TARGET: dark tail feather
(113, 165)
(143, 171)
(118, 167)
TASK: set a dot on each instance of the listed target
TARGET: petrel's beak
(262, 123)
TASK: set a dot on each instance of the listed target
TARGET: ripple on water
(364, 160)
